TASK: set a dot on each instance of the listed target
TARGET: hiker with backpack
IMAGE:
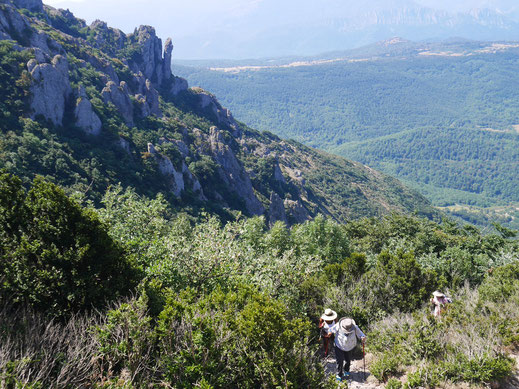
(327, 321)
(439, 301)
(346, 334)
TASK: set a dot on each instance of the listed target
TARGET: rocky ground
(357, 380)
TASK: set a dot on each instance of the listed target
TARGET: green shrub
(393, 383)
(425, 376)
(501, 283)
(480, 369)
(396, 283)
(385, 366)
(54, 255)
(126, 341)
(424, 339)
(235, 339)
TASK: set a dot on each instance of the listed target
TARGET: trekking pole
(364, 359)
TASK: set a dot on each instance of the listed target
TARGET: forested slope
(442, 117)
(89, 106)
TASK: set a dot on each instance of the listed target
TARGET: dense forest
(443, 122)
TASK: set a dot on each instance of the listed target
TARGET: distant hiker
(346, 334)
(327, 321)
(439, 301)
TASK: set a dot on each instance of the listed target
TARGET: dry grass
(53, 354)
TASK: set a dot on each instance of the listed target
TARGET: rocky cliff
(141, 125)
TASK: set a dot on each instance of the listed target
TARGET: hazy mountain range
(307, 27)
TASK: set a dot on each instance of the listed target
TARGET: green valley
(441, 116)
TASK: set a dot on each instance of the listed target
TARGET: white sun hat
(329, 315)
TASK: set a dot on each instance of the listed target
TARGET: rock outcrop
(50, 89)
(124, 144)
(232, 173)
(149, 103)
(12, 24)
(276, 210)
(178, 180)
(119, 96)
(224, 117)
(166, 65)
(296, 212)
(86, 118)
(106, 38)
(278, 174)
(152, 65)
(40, 40)
(31, 5)
(178, 85)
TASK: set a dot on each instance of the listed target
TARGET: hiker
(326, 321)
(346, 334)
(439, 301)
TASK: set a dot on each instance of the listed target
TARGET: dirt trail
(356, 380)
(513, 382)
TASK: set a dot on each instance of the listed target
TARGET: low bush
(465, 345)
(386, 365)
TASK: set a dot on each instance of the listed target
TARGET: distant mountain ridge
(308, 28)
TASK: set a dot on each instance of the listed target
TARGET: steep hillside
(441, 116)
(89, 107)
(125, 292)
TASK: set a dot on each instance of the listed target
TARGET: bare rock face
(232, 173)
(182, 147)
(296, 212)
(124, 144)
(151, 50)
(208, 102)
(152, 99)
(149, 102)
(31, 5)
(276, 210)
(152, 149)
(51, 88)
(39, 40)
(118, 96)
(278, 174)
(178, 180)
(12, 23)
(4, 26)
(40, 56)
(168, 50)
(86, 118)
(178, 85)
